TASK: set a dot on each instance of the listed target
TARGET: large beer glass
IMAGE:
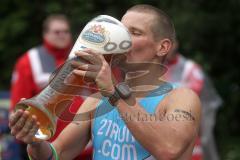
(104, 34)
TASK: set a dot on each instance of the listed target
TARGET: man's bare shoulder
(184, 94)
(183, 100)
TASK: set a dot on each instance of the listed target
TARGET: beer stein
(103, 34)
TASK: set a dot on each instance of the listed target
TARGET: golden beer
(53, 99)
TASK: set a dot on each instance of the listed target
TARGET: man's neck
(143, 82)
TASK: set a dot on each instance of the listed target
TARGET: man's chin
(129, 58)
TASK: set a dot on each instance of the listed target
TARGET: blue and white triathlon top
(111, 138)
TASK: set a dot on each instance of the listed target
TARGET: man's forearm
(39, 150)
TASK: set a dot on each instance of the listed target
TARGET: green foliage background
(209, 32)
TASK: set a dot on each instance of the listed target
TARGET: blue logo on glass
(95, 34)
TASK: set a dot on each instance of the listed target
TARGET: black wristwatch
(122, 91)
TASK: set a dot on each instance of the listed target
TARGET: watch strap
(114, 98)
(122, 91)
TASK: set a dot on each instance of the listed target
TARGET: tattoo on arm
(186, 114)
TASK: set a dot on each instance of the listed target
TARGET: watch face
(123, 90)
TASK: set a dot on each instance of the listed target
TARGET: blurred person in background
(188, 73)
(33, 69)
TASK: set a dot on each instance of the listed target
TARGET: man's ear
(164, 47)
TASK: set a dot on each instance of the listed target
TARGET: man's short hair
(162, 26)
(54, 17)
